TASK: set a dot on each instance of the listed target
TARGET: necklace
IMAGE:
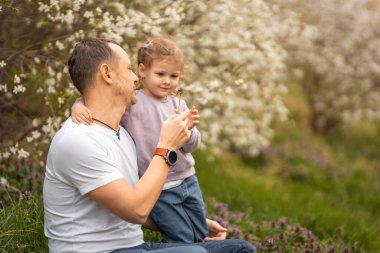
(117, 132)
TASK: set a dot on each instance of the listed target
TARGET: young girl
(179, 212)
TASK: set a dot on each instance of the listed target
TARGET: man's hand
(174, 132)
(80, 113)
(217, 232)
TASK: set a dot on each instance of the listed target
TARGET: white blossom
(19, 89)
(34, 135)
(88, 14)
(77, 4)
(61, 100)
(35, 122)
(59, 45)
(2, 64)
(43, 7)
(16, 79)
(4, 182)
(3, 87)
(69, 17)
(5, 155)
(13, 149)
(22, 153)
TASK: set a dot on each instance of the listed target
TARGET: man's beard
(134, 99)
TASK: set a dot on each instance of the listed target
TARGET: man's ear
(105, 72)
(141, 70)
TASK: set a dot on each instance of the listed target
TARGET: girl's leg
(195, 209)
(170, 217)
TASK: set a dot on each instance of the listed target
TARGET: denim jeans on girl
(223, 246)
(180, 213)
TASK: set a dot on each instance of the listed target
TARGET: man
(93, 198)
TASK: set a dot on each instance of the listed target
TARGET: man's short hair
(86, 59)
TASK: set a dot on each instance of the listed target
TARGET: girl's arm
(194, 141)
(217, 231)
(80, 113)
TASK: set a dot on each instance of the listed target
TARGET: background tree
(234, 66)
(335, 58)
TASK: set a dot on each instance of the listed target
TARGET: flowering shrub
(234, 65)
(335, 57)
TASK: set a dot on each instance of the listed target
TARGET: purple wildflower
(258, 246)
(331, 250)
(282, 221)
(235, 231)
(26, 195)
(271, 241)
(222, 210)
(238, 216)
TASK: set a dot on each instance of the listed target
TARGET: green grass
(21, 227)
(338, 199)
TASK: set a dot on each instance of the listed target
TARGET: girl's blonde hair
(157, 49)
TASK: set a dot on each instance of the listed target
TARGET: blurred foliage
(334, 57)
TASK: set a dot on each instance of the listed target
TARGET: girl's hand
(217, 231)
(193, 116)
(81, 114)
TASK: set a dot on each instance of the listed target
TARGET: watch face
(172, 157)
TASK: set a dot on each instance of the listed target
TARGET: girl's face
(161, 79)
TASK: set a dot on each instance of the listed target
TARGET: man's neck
(106, 111)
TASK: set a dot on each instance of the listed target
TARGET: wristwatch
(169, 155)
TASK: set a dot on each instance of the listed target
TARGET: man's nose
(136, 77)
(135, 81)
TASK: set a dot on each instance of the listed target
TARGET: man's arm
(217, 231)
(149, 224)
(135, 203)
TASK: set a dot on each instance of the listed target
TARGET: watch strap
(161, 151)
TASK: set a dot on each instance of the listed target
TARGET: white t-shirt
(82, 158)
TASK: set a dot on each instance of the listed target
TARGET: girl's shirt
(143, 122)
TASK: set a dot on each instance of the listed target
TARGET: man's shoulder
(71, 130)
(75, 137)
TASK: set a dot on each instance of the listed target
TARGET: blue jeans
(223, 246)
(180, 213)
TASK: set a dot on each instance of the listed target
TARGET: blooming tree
(236, 65)
(336, 58)
(232, 74)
